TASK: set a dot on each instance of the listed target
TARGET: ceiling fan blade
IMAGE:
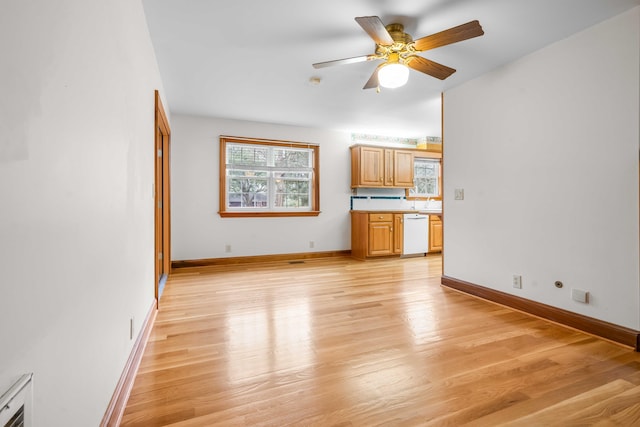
(431, 68)
(373, 80)
(344, 61)
(376, 29)
(452, 35)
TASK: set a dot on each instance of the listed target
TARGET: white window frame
(411, 192)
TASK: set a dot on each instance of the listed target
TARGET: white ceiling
(251, 59)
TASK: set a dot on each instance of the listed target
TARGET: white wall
(198, 232)
(546, 150)
(76, 217)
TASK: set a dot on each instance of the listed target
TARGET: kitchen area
(396, 203)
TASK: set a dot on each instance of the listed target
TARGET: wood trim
(222, 177)
(316, 181)
(442, 170)
(162, 117)
(208, 262)
(442, 119)
(162, 222)
(264, 141)
(118, 403)
(416, 151)
(434, 147)
(235, 214)
(609, 331)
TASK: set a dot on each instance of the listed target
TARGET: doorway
(162, 200)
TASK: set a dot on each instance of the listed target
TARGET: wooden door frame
(442, 175)
(162, 241)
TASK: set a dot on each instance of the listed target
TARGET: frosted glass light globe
(393, 75)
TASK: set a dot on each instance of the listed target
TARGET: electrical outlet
(130, 329)
(227, 248)
(517, 281)
(580, 296)
(459, 194)
(312, 244)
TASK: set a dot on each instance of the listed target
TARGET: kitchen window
(426, 178)
(268, 178)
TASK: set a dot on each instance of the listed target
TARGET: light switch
(459, 194)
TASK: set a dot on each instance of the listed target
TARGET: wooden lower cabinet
(435, 233)
(380, 237)
(376, 234)
(398, 233)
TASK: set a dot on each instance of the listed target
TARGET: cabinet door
(435, 234)
(398, 233)
(388, 168)
(380, 238)
(371, 166)
(403, 168)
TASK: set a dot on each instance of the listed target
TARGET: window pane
(247, 173)
(247, 192)
(291, 158)
(425, 168)
(426, 174)
(291, 200)
(246, 155)
(292, 189)
(421, 186)
(292, 175)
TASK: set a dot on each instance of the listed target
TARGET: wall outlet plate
(580, 295)
(517, 281)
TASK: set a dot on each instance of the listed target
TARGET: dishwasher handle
(424, 217)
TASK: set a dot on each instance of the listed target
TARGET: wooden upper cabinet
(381, 167)
(367, 166)
(388, 168)
(403, 168)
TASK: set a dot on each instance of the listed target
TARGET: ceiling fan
(399, 51)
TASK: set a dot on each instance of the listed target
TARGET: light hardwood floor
(338, 342)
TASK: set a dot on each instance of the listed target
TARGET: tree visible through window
(268, 178)
(426, 177)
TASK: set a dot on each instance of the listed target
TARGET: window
(426, 177)
(268, 178)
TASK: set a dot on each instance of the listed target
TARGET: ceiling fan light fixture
(393, 75)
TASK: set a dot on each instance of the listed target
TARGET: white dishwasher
(416, 234)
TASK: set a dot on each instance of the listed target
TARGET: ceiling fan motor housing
(401, 42)
(396, 31)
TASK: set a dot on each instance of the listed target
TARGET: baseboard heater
(15, 404)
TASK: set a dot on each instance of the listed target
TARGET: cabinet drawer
(377, 217)
(434, 218)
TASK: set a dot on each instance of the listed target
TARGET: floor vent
(15, 404)
(296, 262)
